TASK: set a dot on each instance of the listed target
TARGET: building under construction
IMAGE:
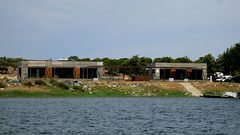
(91, 70)
(177, 71)
(59, 69)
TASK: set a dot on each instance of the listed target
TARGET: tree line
(6, 61)
(227, 62)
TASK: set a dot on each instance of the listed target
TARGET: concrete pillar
(204, 74)
(157, 73)
(24, 72)
(37, 74)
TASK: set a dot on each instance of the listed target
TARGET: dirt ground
(13, 77)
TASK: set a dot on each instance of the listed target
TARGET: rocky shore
(76, 88)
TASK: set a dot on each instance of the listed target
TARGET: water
(119, 116)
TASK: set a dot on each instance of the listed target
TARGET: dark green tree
(84, 59)
(182, 60)
(97, 59)
(211, 62)
(229, 60)
(73, 58)
(5, 61)
(163, 59)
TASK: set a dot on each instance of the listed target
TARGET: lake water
(119, 116)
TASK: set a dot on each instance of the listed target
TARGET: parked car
(216, 78)
(226, 78)
(235, 79)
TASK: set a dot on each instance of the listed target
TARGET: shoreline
(84, 89)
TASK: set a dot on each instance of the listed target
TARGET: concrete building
(59, 69)
(178, 71)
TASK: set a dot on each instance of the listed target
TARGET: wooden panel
(48, 72)
(76, 73)
(173, 73)
(142, 78)
(147, 78)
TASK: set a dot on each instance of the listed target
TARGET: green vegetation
(40, 82)
(63, 85)
(213, 93)
(99, 92)
(228, 62)
(39, 88)
(4, 61)
(2, 84)
(28, 84)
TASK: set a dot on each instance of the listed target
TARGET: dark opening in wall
(166, 73)
(63, 72)
(88, 73)
(20, 72)
(180, 74)
(36, 72)
(197, 74)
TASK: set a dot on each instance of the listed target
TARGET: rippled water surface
(119, 116)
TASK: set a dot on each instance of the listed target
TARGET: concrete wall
(24, 65)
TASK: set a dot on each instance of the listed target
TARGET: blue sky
(44, 29)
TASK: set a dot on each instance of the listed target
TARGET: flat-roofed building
(59, 69)
(178, 71)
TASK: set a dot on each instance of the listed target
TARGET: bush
(63, 85)
(79, 88)
(28, 83)
(53, 82)
(2, 84)
(40, 82)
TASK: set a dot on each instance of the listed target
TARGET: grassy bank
(93, 89)
(216, 88)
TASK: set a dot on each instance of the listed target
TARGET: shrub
(28, 83)
(63, 85)
(53, 82)
(2, 84)
(201, 82)
(40, 82)
(5, 78)
(79, 88)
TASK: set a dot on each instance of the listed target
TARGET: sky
(53, 29)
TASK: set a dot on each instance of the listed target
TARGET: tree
(122, 60)
(182, 60)
(211, 62)
(84, 59)
(229, 60)
(97, 59)
(73, 58)
(145, 60)
(106, 61)
(135, 61)
(163, 59)
(5, 61)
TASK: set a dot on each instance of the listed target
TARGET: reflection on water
(119, 116)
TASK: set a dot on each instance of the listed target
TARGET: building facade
(178, 71)
(59, 69)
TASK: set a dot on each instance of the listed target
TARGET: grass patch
(63, 85)
(212, 93)
(61, 89)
